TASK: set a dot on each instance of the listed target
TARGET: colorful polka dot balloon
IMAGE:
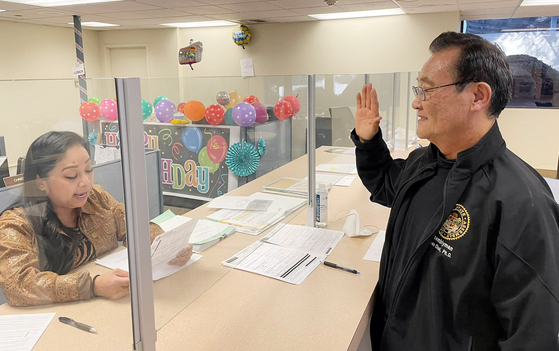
(108, 109)
(215, 114)
(89, 111)
(180, 107)
(165, 110)
(283, 110)
(251, 99)
(244, 114)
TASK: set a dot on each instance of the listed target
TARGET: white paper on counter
(375, 251)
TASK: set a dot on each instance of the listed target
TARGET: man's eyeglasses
(418, 91)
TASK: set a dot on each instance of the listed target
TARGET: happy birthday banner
(192, 157)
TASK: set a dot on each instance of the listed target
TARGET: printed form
(164, 248)
(20, 332)
(316, 240)
(282, 263)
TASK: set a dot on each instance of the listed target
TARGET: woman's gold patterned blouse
(23, 281)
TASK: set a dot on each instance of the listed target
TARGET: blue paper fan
(93, 138)
(242, 159)
(261, 147)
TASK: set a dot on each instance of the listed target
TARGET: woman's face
(69, 182)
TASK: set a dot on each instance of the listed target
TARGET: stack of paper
(164, 248)
(240, 203)
(255, 222)
(289, 253)
(299, 187)
(337, 168)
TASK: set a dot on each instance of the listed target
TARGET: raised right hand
(367, 118)
(113, 284)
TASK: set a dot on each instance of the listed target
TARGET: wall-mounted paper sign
(78, 69)
(247, 69)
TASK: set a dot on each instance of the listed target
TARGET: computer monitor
(4, 170)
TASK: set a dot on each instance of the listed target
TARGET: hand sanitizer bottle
(322, 205)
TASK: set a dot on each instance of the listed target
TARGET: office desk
(209, 307)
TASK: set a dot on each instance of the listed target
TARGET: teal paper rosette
(92, 138)
(242, 159)
(261, 147)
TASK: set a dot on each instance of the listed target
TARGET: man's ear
(41, 183)
(482, 96)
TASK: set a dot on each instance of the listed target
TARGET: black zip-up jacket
(485, 273)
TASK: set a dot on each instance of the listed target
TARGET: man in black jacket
(471, 257)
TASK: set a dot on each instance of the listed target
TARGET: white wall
(532, 134)
(31, 108)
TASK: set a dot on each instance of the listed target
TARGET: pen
(333, 265)
(78, 325)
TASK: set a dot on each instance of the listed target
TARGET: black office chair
(20, 165)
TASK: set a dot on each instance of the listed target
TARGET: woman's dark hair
(44, 153)
(479, 61)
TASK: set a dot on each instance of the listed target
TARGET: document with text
(316, 240)
(254, 222)
(20, 332)
(282, 263)
(164, 248)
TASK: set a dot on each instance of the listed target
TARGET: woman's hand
(367, 118)
(182, 257)
(113, 284)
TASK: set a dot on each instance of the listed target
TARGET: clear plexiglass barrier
(82, 163)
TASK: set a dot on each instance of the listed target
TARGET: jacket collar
(87, 208)
(470, 160)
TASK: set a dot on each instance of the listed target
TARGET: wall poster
(192, 156)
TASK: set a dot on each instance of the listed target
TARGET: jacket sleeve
(120, 217)
(21, 279)
(376, 168)
(525, 290)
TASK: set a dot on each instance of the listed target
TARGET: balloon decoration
(92, 138)
(147, 109)
(89, 111)
(180, 107)
(204, 160)
(261, 112)
(108, 109)
(192, 138)
(229, 117)
(191, 54)
(242, 35)
(234, 98)
(217, 148)
(164, 110)
(194, 110)
(261, 147)
(295, 104)
(222, 98)
(244, 114)
(283, 110)
(95, 100)
(251, 99)
(242, 159)
(159, 98)
(215, 114)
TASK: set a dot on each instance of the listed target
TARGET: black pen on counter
(78, 325)
(333, 265)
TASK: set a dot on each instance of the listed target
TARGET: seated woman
(62, 222)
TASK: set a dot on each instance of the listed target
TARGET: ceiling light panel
(539, 2)
(200, 24)
(53, 3)
(358, 14)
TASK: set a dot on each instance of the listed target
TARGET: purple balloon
(261, 112)
(164, 110)
(244, 114)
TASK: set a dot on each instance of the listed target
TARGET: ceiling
(137, 14)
